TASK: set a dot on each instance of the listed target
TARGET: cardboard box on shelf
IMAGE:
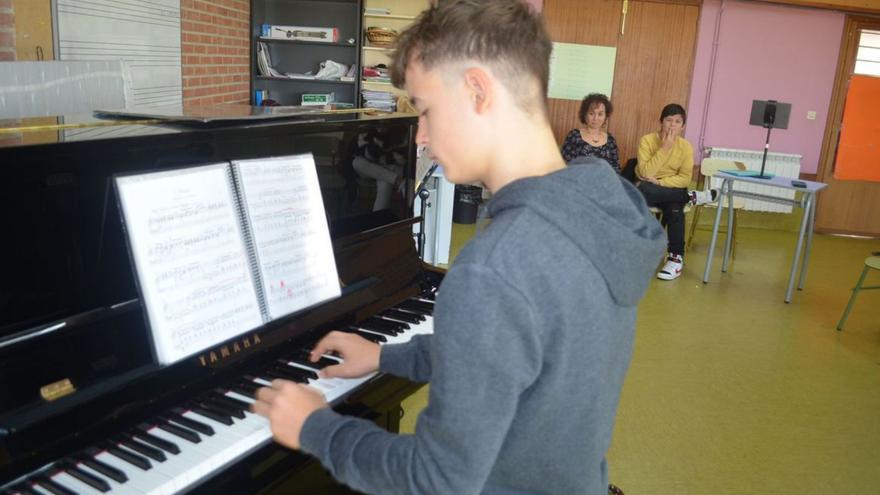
(301, 33)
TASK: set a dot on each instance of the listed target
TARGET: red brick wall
(215, 51)
(7, 31)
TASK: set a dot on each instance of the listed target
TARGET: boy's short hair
(673, 109)
(506, 35)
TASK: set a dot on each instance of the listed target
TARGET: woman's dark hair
(591, 100)
(674, 109)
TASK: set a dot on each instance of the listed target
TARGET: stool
(871, 262)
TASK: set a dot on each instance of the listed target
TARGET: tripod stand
(423, 193)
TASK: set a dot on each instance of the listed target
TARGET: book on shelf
(380, 100)
(224, 248)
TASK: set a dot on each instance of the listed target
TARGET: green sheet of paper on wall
(577, 70)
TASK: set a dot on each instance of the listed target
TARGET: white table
(807, 201)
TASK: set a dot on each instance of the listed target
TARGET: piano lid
(110, 124)
(68, 256)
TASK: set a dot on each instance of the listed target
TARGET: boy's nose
(421, 136)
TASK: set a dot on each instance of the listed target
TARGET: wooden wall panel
(588, 22)
(33, 28)
(654, 67)
(654, 59)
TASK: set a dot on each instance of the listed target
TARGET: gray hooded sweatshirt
(533, 333)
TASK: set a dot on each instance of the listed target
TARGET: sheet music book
(221, 249)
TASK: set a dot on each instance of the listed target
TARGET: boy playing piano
(534, 322)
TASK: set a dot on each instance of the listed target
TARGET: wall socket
(811, 115)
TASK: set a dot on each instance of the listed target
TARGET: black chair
(628, 171)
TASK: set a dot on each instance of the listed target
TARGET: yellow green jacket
(672, 168)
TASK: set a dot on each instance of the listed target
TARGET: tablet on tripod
(769, 114)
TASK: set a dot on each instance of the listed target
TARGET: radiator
(781, 164)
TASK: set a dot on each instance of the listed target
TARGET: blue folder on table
(746, 173)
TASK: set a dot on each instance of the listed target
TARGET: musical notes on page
(193, 267)
(283, 205)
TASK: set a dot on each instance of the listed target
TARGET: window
(868, 54)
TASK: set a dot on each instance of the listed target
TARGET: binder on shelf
(221, 249)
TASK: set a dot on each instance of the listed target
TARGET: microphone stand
(423, 193)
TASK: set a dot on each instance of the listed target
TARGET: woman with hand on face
(666, 164)
(593, 138)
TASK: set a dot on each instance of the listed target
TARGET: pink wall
(764, 52)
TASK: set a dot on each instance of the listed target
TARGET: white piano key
(191, 464)
(238, 396)
(157, 480)
(260, 381)
(151, 481)
(39, 489)
(126, 488)
(229, 442)
(71, 483)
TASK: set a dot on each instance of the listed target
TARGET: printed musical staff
(286, 217)
(192, 263)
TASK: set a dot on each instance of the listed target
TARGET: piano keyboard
(186, 445)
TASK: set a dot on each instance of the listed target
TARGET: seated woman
(592, 139)
(666, 163)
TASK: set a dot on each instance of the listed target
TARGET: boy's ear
(480, 88)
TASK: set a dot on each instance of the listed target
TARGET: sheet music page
(283, 202)
(194, 271)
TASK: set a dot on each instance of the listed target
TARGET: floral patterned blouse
(575, 146)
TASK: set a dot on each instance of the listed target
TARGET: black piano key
(304, 357)
(403, 316)
(242, 391)
(231, 401)
(308, 373)
(378, 339)
(372, 337)
(398, 326)
(192, 424)
(180, 432)
(129, 457)
(87, 478)
(284, 375)
(23, 489)
(220, 408)
(415, 304)
(141, 448)
(377, 328)
(50, 486)
(102, 467)
(245, 389)
(141, 433)
(250, 379)
(393, 325)
(201, 411)
(234, 409)
(420, 307)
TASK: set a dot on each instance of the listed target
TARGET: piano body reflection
(83, 406)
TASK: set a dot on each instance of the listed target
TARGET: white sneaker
(702, 197)
(672, 269)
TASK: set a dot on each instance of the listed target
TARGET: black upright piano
(84, 408)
